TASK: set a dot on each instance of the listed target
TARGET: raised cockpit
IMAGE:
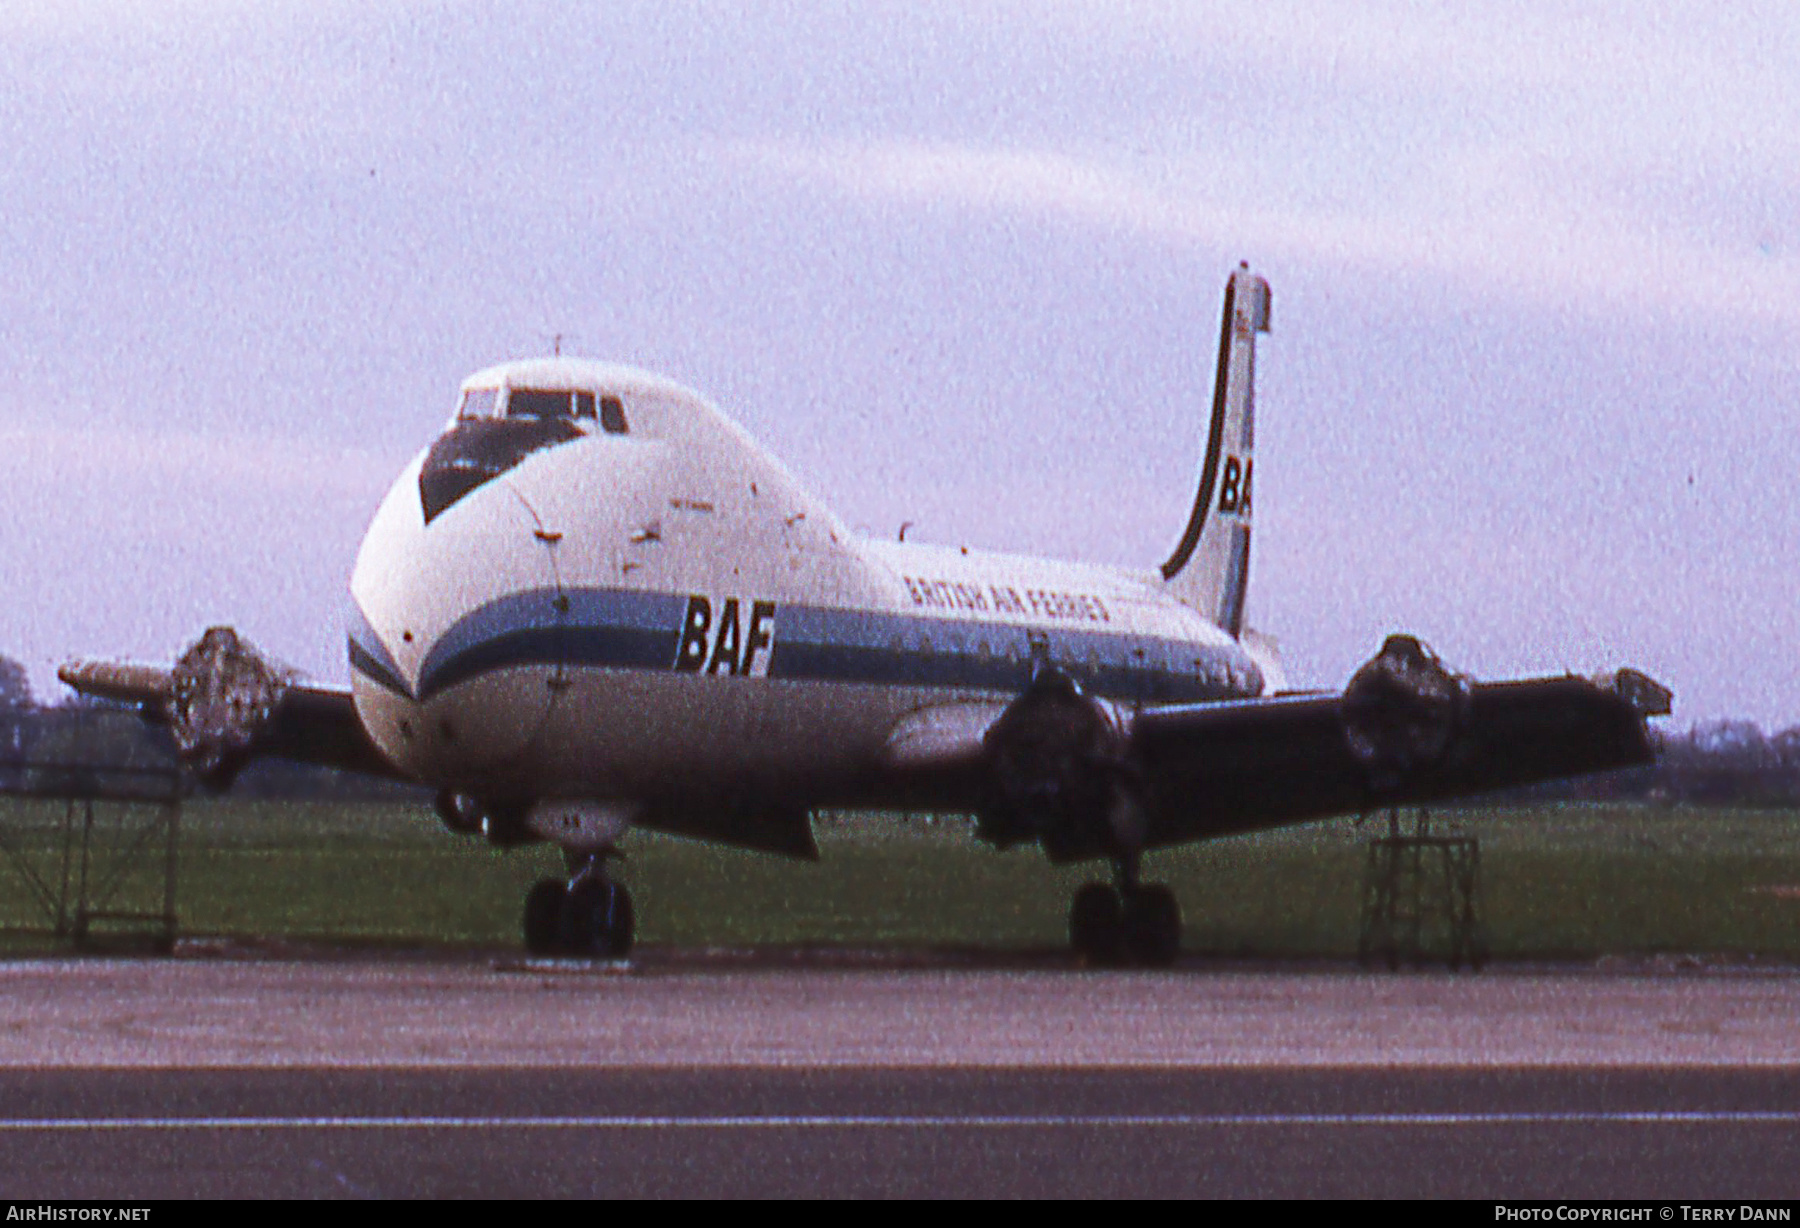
(510, 412)
(609, 426)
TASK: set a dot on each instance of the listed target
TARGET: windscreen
(475, 451)
(539, 403)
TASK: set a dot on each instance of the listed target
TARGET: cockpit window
(548, 403)
(538, 403)
(478, 403)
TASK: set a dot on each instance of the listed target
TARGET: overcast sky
(1530, 391)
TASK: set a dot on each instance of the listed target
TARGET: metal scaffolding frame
(82, 878)
(1420, 896)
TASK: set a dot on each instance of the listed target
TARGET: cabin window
(584, 405)
(612, 416)
(478, 403)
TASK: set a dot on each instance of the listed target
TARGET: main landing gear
(588, 917)
(1128, 923)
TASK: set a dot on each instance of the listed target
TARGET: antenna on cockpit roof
(557, 339)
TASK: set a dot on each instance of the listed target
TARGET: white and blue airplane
(593, 603)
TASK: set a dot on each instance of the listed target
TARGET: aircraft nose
(423, 583)
(451, 627)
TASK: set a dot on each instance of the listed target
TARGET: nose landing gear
(589, 917)
(1127, 923)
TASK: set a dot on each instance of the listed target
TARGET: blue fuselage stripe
(598, 629)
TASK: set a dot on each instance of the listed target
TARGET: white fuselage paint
(634, 614)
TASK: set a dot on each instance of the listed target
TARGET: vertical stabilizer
(1209, 570)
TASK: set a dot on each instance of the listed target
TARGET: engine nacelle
(502, 824)
(1402, 711)
(462, 814)
(222, 695)
(1058, 770)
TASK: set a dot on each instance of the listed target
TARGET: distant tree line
(1729, 761)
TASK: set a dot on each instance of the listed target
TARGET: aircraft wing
(1084, 776)
(226, 705)
(1230, 767)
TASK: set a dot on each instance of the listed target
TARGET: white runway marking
(1028, 1121)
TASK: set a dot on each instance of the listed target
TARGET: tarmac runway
(457, 1076)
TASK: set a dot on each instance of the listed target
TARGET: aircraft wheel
(1151, 925)
(543, 916)
(1094, 925)
(597, 919)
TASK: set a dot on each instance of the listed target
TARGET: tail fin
(1210, 568)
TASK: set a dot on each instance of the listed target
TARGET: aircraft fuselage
(657, 611)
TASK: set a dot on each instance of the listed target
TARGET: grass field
(1557, 880)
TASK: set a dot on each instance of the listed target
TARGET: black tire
(543, 917)
(597, 920)
(624, 927)
(1094, 929)
(1151, 923)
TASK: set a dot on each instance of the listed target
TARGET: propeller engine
(222, 695)
(1402, 711)
(1059, 772)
